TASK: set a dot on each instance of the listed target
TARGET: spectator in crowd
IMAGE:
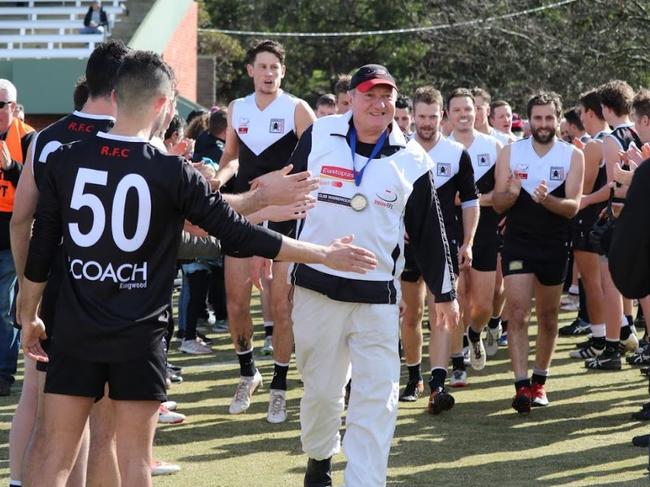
(210, 143)
(194, 114)
(19, 112)
(15, 137)
(196, 125)
(96, 20)
(326, 105)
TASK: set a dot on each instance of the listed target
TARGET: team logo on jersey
(388, 197)
(335, 172)
(556, 173)
(243, 125)
(276, 126)
(483, 160)
(522, 171)
(443, 169)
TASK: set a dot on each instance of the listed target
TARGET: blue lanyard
(375, 151)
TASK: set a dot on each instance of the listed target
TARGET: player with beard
(263, 130)
(539, 184)
(480, 278)
(453, 174)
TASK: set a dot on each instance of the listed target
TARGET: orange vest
(17, 130)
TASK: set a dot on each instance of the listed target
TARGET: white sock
(598, 331)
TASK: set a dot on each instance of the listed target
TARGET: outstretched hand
(342, 256)
(281, 188)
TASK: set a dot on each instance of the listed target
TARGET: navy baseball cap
(371, 75)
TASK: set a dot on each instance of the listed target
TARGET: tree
(567, 49)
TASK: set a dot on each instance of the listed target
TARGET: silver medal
(358, 202)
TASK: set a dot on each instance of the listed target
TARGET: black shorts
(580, 238)
(484, 257)
(140, 379)
(411, 272)
(548, 271)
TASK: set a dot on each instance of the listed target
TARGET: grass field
(582, 438)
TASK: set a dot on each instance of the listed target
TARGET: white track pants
(330, 336)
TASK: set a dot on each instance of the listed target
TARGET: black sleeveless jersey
(625, 135)
(588, 216)
(73, 127)
(119, 204)
(531, 228)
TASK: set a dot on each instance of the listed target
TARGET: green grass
(582, 438)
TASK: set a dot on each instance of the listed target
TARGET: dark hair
(497, 104)
(427, 95)
(460, 93)
(176, 124)
(617, 95)
(195, 113)
(266, 45)
(545, 98)
(476, 91)
(326, 99)
(102, 67)
(641, 103)
(142, 75)
(342, 84)
(572, 117)
(80, 94)
(590, 100)
(197, 126)
(403, 102)
(218, 122)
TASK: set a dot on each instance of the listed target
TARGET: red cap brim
(367, 85)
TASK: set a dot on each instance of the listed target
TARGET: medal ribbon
(358, 175)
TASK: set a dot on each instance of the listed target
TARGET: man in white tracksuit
(375, 187)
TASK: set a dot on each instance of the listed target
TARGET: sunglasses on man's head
(4, 104)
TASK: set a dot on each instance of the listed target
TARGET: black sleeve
(465, 179)
(88, 16)
(629, 252)
(426, 230)
(208, 210)
(46, 232)
(300, 155)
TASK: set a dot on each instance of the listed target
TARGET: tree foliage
(567, 49)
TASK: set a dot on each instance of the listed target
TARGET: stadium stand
(48, 29)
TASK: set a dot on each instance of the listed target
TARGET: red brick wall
(181, 53)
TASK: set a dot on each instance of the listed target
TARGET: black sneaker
(412, 391)
(643, 441)
(318, 473)
(585, 343)
(639, 358)
(643, 415)
(440, 401)
(578, 327)
(5, 387)
(608, 360)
